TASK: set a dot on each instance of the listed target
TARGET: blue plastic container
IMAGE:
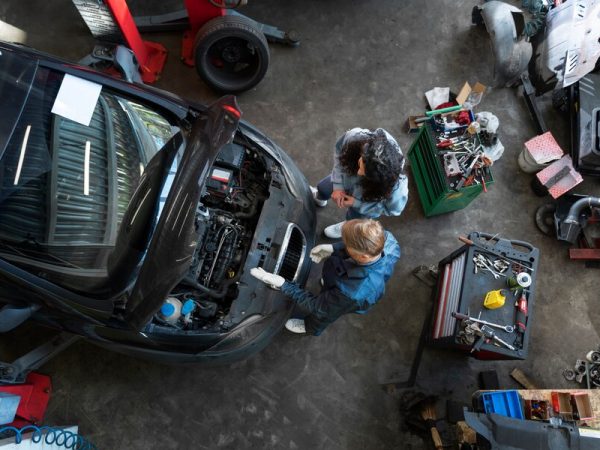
(8, 407)
(504, 403)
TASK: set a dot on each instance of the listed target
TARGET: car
(131, 217)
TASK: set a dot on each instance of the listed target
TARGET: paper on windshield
(77, 99)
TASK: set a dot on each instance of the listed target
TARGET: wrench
(460, 316)
(484, 266)
(489, 333)
(481, 260)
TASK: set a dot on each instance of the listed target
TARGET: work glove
(321, 252)
(275, 281)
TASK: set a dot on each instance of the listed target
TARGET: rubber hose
(577, 207)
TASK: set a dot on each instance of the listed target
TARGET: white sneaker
(296, 326)
(320, 203)
(334, 231)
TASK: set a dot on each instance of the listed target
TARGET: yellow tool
(495, 299)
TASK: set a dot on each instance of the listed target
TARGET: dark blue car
(137, 225)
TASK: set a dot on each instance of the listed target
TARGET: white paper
(437, 96)
(76, 99)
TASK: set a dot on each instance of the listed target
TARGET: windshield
(65, 187)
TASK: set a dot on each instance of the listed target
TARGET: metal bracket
(15, 372)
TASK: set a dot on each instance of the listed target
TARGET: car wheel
(231, 54)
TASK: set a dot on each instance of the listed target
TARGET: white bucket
(527, 164)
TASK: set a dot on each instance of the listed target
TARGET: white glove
(275, 281)
(321, 252)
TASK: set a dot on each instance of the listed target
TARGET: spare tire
(231, 54)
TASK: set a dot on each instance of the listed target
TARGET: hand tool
(467, 173)
(460, 316)
(468, 241)
(521, 318)
(443, 110)
(489, 333)
(480, 261)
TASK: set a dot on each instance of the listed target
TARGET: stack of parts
(539, 152)
(559, 177)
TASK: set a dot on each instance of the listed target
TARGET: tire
(544, 219)
(231, 54)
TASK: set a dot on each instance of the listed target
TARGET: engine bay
(235, 190)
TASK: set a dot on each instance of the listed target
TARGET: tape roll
(524, 279)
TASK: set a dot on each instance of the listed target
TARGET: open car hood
(171, 248)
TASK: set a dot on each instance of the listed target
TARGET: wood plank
(585, 253)
(522, 379)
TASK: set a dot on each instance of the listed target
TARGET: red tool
(445, 143)
(521, 319)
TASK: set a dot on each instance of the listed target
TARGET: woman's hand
(347, 201)
(338, 197)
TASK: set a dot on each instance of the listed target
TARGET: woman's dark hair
(350, 155)
(383, 164)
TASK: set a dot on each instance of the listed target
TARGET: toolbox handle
(503, 248)
(500, 242)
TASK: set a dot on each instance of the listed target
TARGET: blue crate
(504, 403)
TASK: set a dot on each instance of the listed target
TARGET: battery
(220, 180)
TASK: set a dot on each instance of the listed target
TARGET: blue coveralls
(348, 287)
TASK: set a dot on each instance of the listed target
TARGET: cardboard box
(470, 95)
(561, 403)
(582, 406)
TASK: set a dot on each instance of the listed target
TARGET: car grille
(292, 253)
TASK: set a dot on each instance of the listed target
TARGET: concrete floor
(361, 63)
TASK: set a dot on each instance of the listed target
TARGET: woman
(367, 177)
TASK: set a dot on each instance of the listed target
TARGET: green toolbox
(433, 183)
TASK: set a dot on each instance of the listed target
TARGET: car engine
(236, 187)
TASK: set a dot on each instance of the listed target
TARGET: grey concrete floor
(361, 63)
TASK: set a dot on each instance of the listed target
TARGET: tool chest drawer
(462, 285)
(433, 183)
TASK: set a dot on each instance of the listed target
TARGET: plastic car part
(571, 47)
(231, 54)
(505, 24)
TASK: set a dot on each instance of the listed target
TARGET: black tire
(231, 54)
(544, 219)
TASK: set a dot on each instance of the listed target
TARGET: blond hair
(364, 235)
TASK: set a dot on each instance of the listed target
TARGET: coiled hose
(50, 435)
(538, 20)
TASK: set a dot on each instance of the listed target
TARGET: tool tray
(461, 290)
(433, 185)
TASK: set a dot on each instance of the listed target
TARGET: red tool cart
(486, 264)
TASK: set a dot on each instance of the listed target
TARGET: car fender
(504, 24)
